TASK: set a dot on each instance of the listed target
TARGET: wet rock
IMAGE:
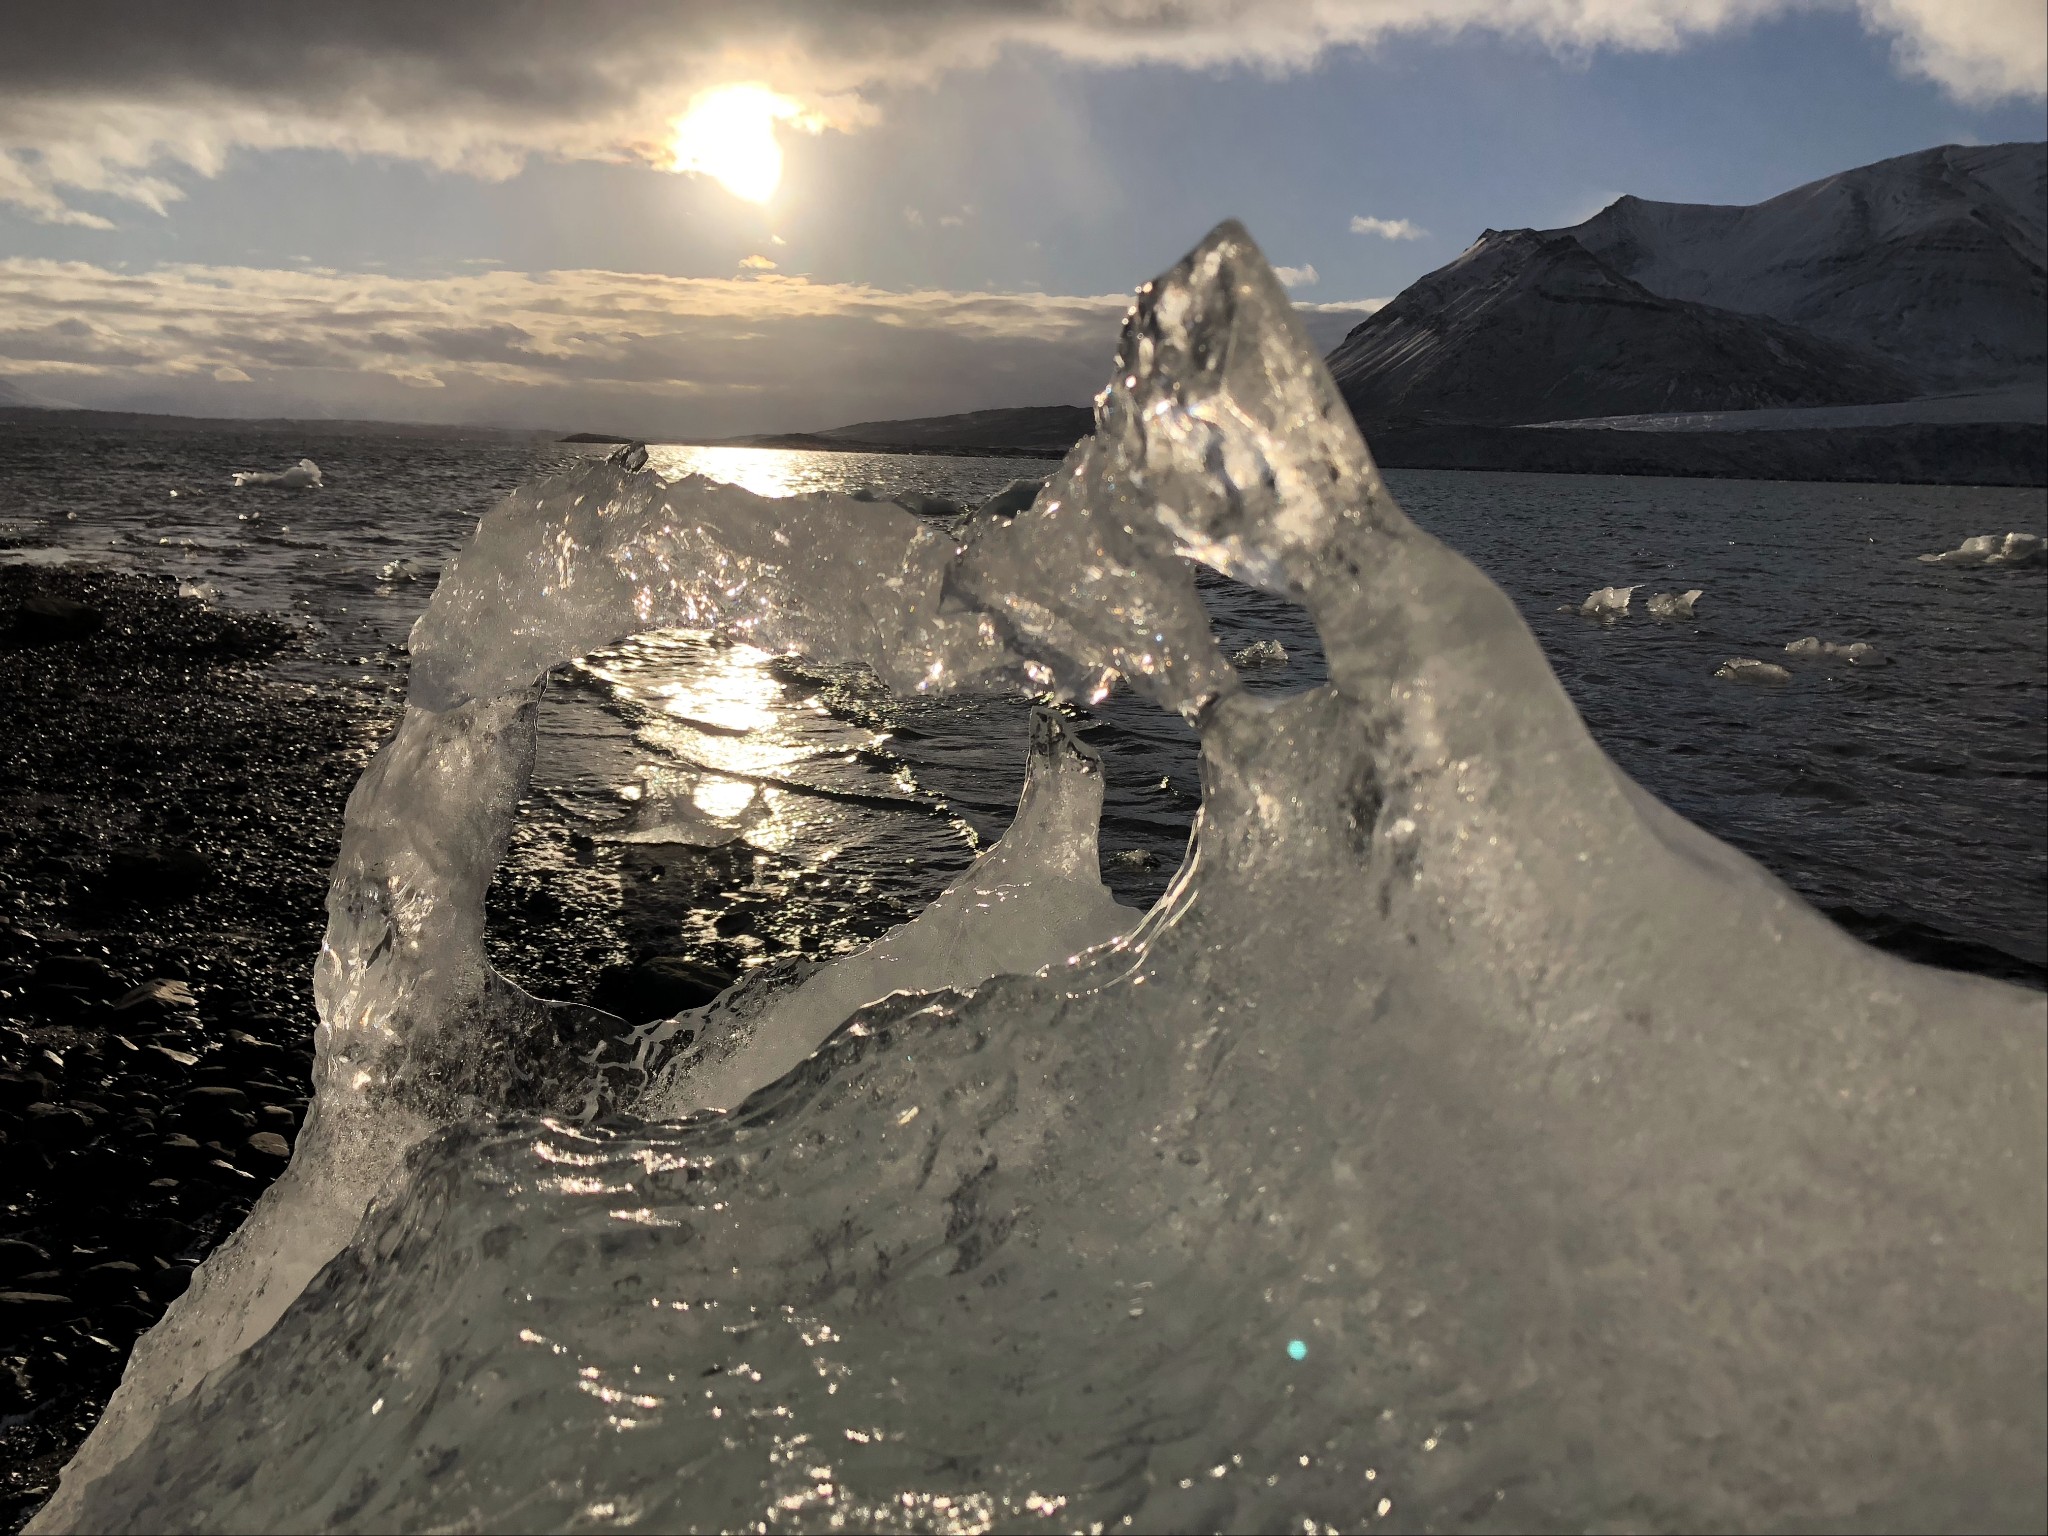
(169, 1283)
(180, 1151)
(84, 972)
(156, 877)
(115, 1278)
(18, 1257)
(55, 1126)
(48, 619)
(157, 998)
(18, 1090)
(26, 1311)
(267, 1151)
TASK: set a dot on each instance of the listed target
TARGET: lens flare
(729, 135)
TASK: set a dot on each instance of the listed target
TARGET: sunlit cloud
(636, 352)
(1297, 277)
(1387, 229)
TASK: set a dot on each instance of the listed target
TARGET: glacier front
(1464, 1141)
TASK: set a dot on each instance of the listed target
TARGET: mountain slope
(1529, 326)
(1934, 259)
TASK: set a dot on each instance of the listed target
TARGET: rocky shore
(168, 815)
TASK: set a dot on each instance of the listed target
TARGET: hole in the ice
(699, 809)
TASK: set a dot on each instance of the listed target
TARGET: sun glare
(729, 135)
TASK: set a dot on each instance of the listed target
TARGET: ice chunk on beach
(302, 476)
(1857, 652)
(1674, 605)
(1994, 549)
(1464, 1137)
(1034, 900)
(1607, 603)
(1748, 669)
(1260, 653)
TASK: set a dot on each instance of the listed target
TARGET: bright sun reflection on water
(722, 797)
(764, 471)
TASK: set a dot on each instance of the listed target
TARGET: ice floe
(1607, 602)
(1674, 605)
(1994, 549)
(1857, 652)
(302, 476)
(1748, 669)
(1260, 653)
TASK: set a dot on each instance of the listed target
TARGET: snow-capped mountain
(1935, 259)
(1911, 276)
(1529, 326)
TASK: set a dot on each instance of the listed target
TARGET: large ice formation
(302, 476)
(1464, 1140)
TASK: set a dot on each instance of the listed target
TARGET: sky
(693, 221)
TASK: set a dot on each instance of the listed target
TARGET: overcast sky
(472, 213)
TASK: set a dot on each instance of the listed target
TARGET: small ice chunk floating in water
(1674, 605)
(1994, 549)
(302, 476)
(1748, 669)
(1607, 603)
(1859, 653)
(1261, 653)
(1602, 1181)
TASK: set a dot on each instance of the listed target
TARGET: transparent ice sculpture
(1465, 1140)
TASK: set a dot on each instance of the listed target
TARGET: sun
(729, 135)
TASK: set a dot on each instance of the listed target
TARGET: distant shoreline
(1990, 454)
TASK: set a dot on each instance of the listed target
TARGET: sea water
(1911, 800)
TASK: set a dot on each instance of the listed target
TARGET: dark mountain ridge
(1917, 274)
(1531, 326)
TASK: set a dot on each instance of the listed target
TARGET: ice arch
(1464, 1140)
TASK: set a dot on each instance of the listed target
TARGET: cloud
(1297, 277)
(1976, 50)
(758, 264)
(645, 353)
(1387, 229)
(102, 98)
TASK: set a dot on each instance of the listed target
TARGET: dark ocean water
(680, 779)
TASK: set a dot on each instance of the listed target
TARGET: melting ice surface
(1465, 1140)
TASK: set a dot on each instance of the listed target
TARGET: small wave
(1994, 549)
(1261, 653)
(302, 476)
